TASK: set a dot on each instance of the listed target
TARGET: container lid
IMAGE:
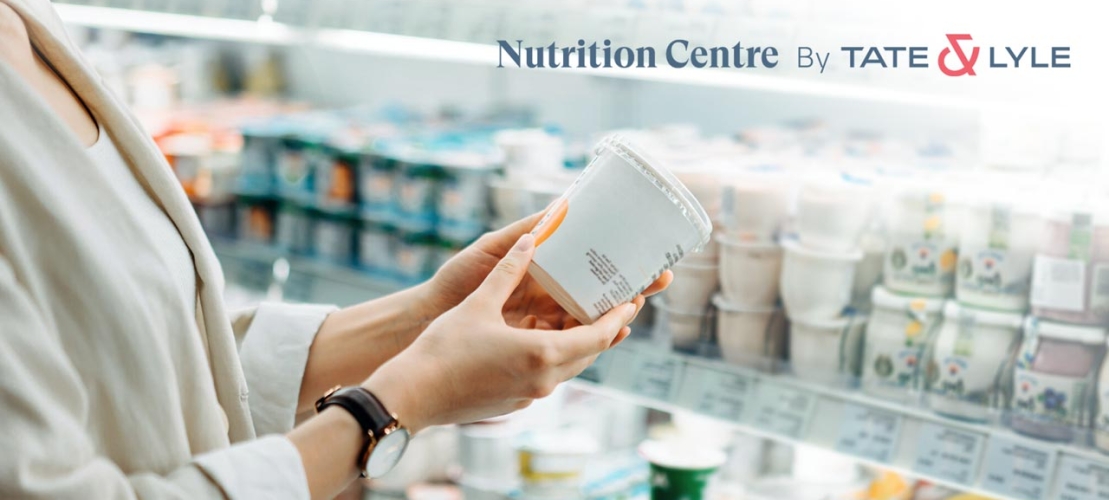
(674, 454)
(730, 241)
(953, 309)
(665, 180)
(882, 297)
(1072, 333)
(722, 304)
(793, 246)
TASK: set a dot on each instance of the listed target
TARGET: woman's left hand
(530, 306)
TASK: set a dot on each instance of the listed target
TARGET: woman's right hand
(470, 365)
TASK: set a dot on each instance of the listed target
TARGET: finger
(575, 367)
(639, 302)
(501, 240)
(506, 276)
(587, 340)
(660, 284)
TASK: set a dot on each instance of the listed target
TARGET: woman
(121, 374)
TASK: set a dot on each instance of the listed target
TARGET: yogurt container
(997, 244)
(923, 244)
(817, 348)
(967, 361)
(756, 207)
(414, 258)
(747, 336)
(1101, 422)
(414, 194)
(682, 329)
(679, 470)
(832, 215)
(295, 168)
(622, 223)
(1054, 379)
(295, 229)
(1070, 279)
(335, 240)
(552, 461)
(335, 185)
(376, 247)
(692, 287)
(487, 453)
(749, 272)
(816, 285)
(896, 335)
(255, 221)
(463, 194)
(868, 272)
(376, 181)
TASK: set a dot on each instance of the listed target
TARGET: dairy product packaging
(623, 222)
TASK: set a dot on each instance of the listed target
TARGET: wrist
(399, 395)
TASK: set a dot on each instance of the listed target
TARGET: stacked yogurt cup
(818, 275)
(918, 274)
(749, 323)
(999, 233)
(1058, 390)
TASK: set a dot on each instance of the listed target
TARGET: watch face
(387, 453)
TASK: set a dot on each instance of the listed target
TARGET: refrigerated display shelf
(307, 279)
(983, 459)
(265, 31)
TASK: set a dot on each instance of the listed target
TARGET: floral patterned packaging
(896, 335)
(1053, 380)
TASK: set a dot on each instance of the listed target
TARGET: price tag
(1017, 469)
(655, 374)
(783, 410)
(1082, 479)
(869, 433)
(948, 453)
(715, 392)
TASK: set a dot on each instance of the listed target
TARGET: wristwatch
(386, 438)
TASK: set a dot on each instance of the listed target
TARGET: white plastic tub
(749, 272)
(997, 245)
(682, 329)
(831, 215)
(816, 348)
(748, 336)
(970, 350)
(692, 287)
(757, 206)
(896, 335)
(622, 223)
(816, 285)
(923, 243)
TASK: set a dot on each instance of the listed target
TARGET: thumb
(506, 276)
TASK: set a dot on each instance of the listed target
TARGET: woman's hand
(529, 305)
(470, 364)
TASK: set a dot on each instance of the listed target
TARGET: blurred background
(905, 298)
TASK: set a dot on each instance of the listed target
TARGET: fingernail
(524, 243)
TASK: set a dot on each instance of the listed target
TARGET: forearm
(329, 444)
(353, 342)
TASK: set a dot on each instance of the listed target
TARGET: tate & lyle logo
(959, 58)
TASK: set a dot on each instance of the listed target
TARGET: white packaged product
(756, 205)
(997, 245)
(923, 244)
(1101, 422)
(682, 329)
(1070, 279)
(747, 336)
(749, 272)
(831, 215)
(463, 194)
(816, 348)
(868, 272)
(966, 367)
(896, 335)
(692, 287)
(816, 285)
(622, 223)
(552, 461)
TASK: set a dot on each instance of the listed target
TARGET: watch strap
(367, 410)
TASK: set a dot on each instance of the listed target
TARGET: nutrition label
(1059, 283)
(602, 268)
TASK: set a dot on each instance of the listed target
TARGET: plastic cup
(622, 223)
(816, 285)
(749, 272)
(692, 287)
(748, 336)
(678, 471)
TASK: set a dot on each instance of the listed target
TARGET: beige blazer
(108, 387)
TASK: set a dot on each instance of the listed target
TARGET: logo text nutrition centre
(959, 58)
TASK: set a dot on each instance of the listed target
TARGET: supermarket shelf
(269, 32)
(988, 460)
(309, 280)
